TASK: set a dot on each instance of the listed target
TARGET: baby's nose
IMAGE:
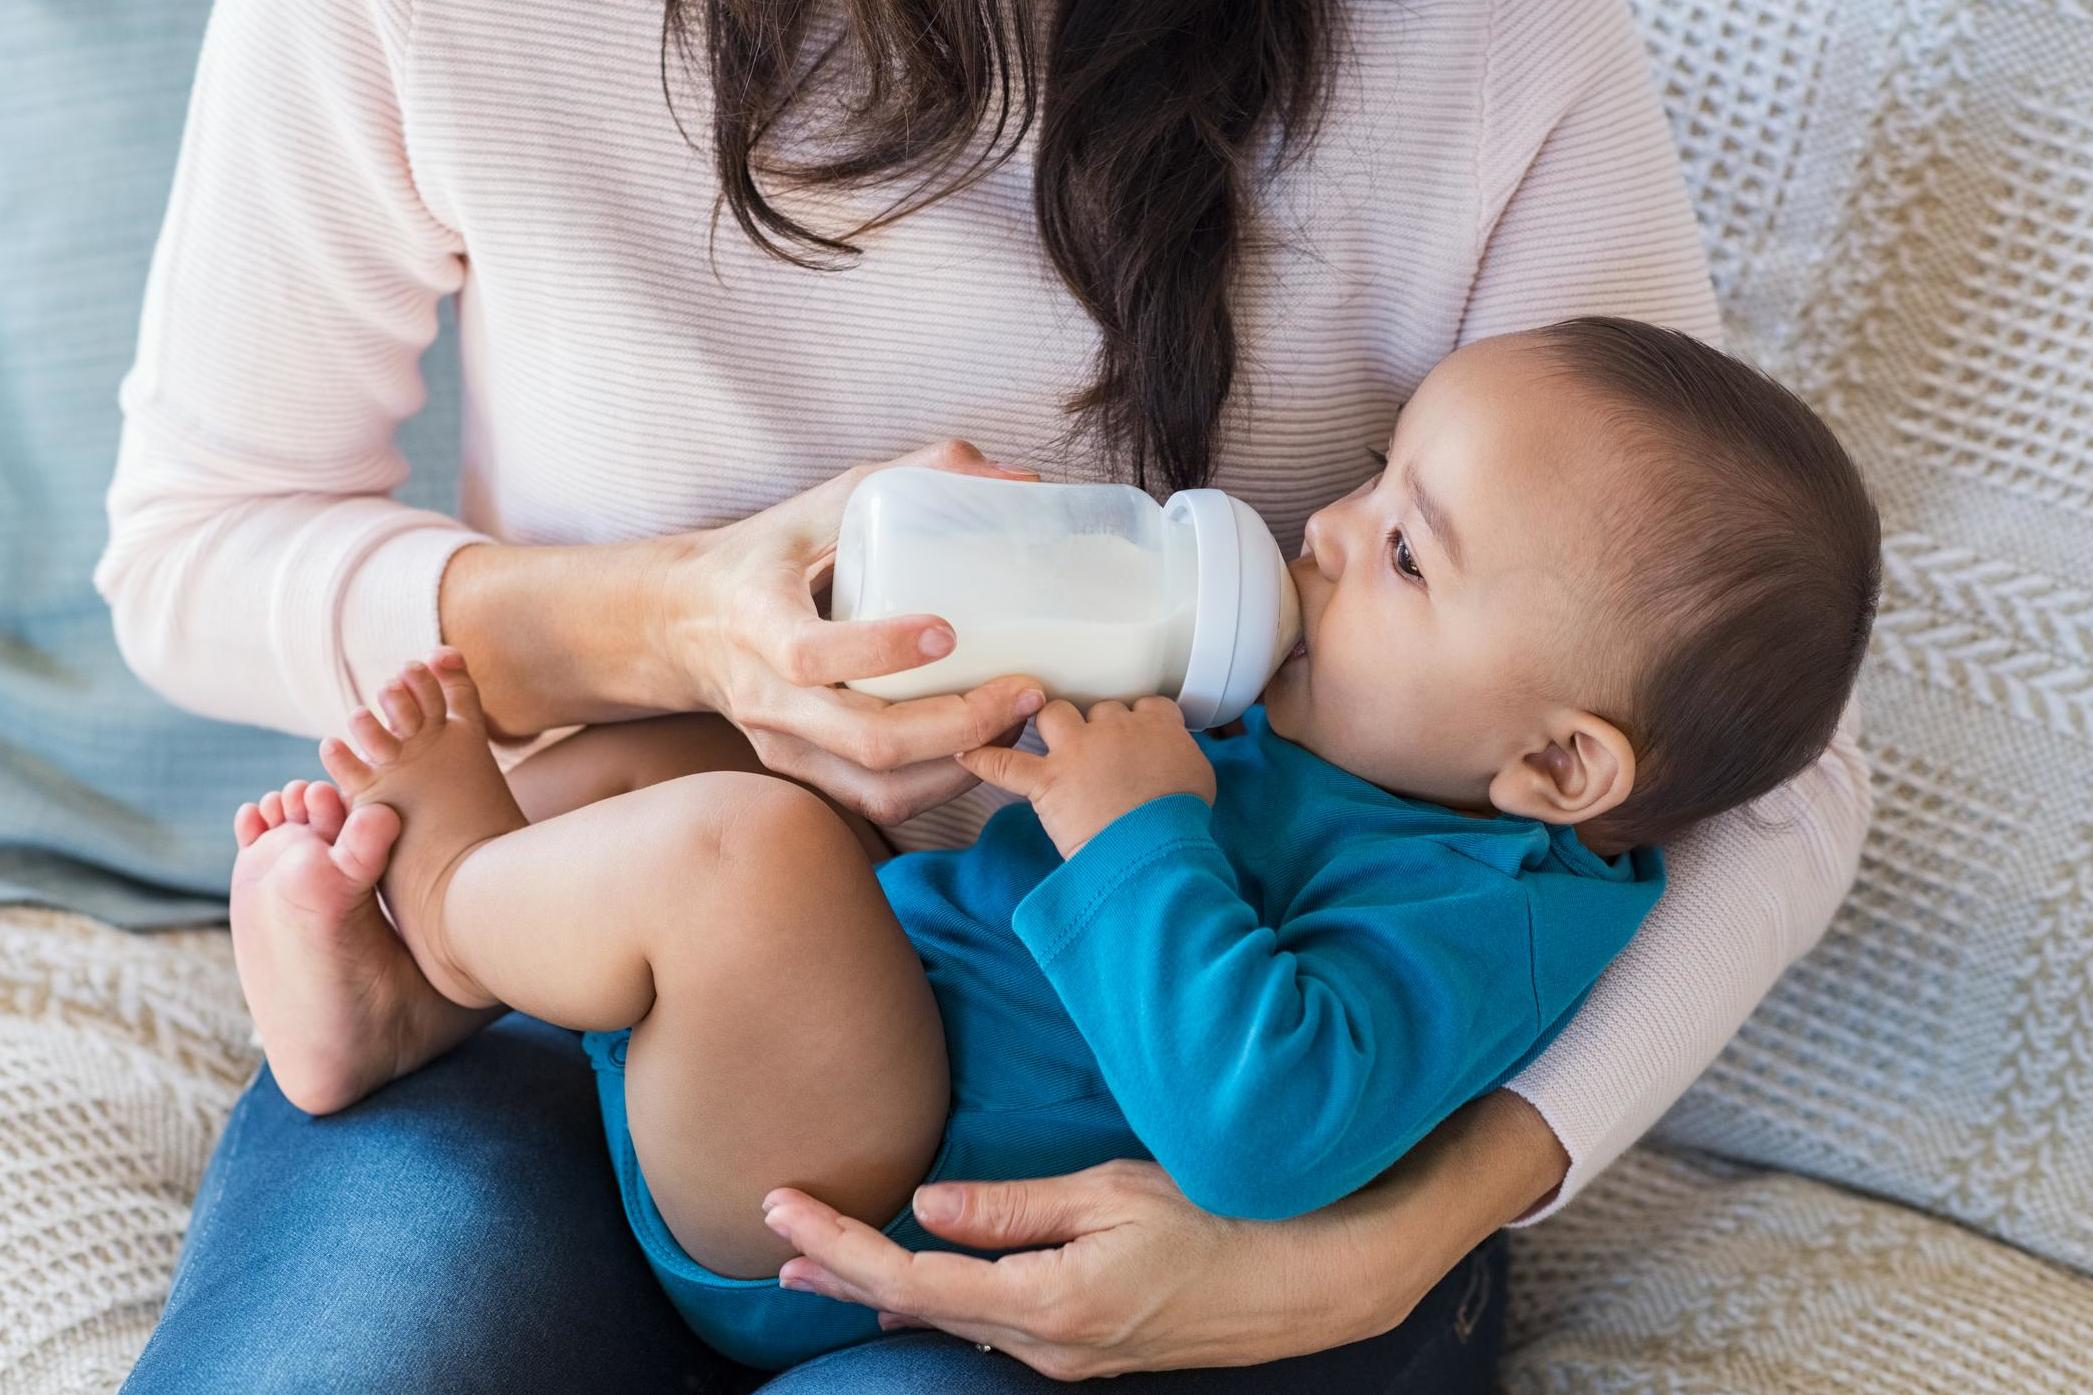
(1318, 548)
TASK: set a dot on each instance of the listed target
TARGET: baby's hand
(1097, 769)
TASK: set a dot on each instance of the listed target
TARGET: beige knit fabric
(1685, 1275)
(1898, 197)
(120, 1053)
(119, 1057)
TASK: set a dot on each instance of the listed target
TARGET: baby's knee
(742, 822)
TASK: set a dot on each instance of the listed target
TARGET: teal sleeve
(1273, 1069)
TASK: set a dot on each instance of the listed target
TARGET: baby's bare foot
(338, 1001)
(428, 761)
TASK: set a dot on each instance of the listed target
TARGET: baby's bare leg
(619, 757)
(784, 1033)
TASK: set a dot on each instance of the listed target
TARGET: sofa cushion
(111, 801)
(1678, 1273)
(1898, 203)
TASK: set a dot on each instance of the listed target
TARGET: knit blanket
(1898, 202)
(1897, 198)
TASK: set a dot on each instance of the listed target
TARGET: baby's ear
(1582, 766)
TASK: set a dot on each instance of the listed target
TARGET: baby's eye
(1399, 553)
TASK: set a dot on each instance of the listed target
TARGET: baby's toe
(272, 808)
(379, 746)
(366, 842)
(248, 824)
(403, 712)
(294, 801)
(323, 802)
(344, 765)
(425, 689)
(460, 693)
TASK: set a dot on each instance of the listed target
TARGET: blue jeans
(461, 1231)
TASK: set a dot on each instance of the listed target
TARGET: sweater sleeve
(1585, 211)
(257, 569)
(1750, 892)
(1272, 1070)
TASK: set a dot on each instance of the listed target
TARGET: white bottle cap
(1247, 615)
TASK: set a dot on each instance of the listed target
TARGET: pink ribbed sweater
(349, 163)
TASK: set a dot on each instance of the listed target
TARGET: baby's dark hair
(1751, 582)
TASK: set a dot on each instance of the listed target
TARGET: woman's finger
(781, 624)
(814, 653)
(884, 797)
(815, 514)
(871, 1269)
(894, 1322)
(1028, 1211)
(886, 736)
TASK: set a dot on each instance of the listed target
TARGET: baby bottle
(1095, 589)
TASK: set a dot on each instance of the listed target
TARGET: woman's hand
(1139, 1279)
(738, 619)
(724, 620)
(1097, 769)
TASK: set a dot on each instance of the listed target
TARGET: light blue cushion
(112, 802)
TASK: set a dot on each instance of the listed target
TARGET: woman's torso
(617, 389)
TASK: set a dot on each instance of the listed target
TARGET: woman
(1125, 292)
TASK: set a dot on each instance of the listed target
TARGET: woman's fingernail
(1030, 701)
(935, 643)
(770, 1201)
(937, 1204)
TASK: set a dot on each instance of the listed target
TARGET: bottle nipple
(1289, 615)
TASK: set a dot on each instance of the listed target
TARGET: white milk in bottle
(1095, 589)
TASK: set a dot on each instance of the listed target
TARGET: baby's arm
(1272, 1070)
(1268, 1074)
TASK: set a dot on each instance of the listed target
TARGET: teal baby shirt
(1274, 998)
(1287, 991)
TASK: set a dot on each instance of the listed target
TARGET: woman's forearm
(558, 636)
(1485, 1166)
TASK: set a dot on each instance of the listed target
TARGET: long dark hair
(1147, 161)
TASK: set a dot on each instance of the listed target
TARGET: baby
(1610, 582)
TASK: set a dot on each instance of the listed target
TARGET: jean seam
(1475, 1300)
(1467, 1318)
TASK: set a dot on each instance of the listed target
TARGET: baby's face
(1447, 605)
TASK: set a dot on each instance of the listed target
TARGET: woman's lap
(461, 1230)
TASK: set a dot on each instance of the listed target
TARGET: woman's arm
(1586, 212)
(1583, 207)
(1750, 892)
(1140, 1279)
(256, 569)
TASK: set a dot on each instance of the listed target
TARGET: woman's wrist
(1488, 1164)
(564, 635)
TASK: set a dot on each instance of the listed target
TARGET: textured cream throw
(1898, 201)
